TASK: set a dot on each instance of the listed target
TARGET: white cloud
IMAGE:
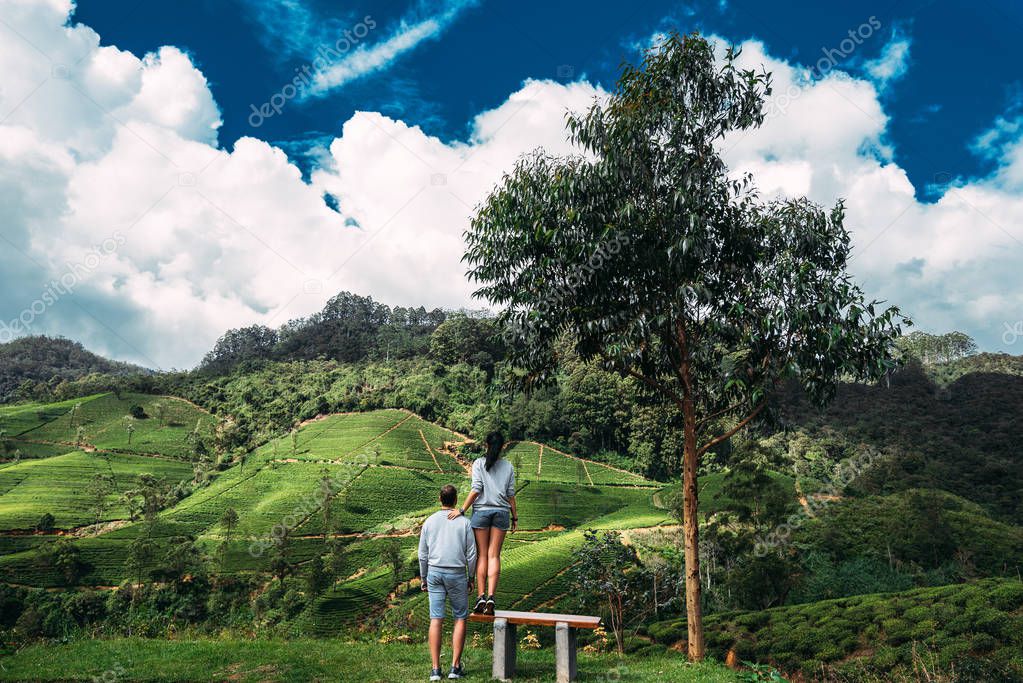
(825, 138)
(215, 239)
(366, 59)
(892, 63)
(111, 143)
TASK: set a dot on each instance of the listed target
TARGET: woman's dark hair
(495, 442)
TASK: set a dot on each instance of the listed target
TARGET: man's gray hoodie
(446, 544)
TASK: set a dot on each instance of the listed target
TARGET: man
(447, 555)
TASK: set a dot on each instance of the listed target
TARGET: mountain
(51, 360)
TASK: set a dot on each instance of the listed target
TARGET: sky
(172, 170)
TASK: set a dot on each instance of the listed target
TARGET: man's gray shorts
(451, 584)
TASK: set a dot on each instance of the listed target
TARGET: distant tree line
(349, 328)
(32, 367)
(931, 349)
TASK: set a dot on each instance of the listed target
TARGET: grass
(406, 460)
(317, 660)
(19, 418)
(60, 486)
(555, 466)
(105, 421)
(976, 626)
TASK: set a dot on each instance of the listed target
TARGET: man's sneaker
(481, 603)
(435, 674)
(489, 608)
(456, 672)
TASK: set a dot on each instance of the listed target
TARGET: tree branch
(715, 441)
(718, 413)
(654, 384)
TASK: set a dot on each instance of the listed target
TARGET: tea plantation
(352, 488)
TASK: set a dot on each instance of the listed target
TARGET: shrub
(46, 522)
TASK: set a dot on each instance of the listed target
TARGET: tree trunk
(691, 534)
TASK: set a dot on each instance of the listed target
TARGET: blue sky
(169, 170)
(962, 72)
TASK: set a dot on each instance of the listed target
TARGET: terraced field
(23, 417)
(60, 486)
(538, 462)
(107, 424)
(382, 471)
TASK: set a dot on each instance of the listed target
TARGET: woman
(493, 513)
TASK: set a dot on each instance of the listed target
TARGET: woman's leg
(494, 558)
(482, 543)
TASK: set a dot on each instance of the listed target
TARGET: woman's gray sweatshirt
(496, 488)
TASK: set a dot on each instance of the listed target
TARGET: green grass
(394, 488)
(318, 660)
(976, 626)
(60, 486)
(105, 420)
(19, 418)
(561, 467)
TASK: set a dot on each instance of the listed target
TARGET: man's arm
(470, 551)
(424, 554)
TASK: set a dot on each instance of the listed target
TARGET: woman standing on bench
(493, 514)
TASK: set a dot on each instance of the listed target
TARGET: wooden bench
(565, 625)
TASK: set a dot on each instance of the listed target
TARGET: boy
(447, 551)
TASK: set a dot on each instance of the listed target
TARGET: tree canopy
(653, 259)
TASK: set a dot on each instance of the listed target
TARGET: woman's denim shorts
(484, 519)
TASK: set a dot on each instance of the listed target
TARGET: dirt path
(430, 450)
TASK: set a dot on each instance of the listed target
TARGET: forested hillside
(174, 487)
(27, 361)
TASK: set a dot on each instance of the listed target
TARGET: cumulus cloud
(949, 264)
(97, 143)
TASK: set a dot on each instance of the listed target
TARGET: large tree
(649, 257)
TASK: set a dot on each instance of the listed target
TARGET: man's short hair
(448, 495)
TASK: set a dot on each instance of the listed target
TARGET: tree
(100, 487)
(80, 436)
(607, 572)
(228, 520)
(316, 576)
(336, 558)
(160, 411)
(129, 427)
(140, 554)
(394, 557)
(46, 522)
(645, 255)
(280, 565)
(66, 558)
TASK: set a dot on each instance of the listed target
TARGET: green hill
(975, 630)
(49, 361)
(383, 468)
(387, 466)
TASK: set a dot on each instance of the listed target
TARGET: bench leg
(564, 653)
(504, 650)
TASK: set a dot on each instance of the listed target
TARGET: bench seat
(505, 640)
